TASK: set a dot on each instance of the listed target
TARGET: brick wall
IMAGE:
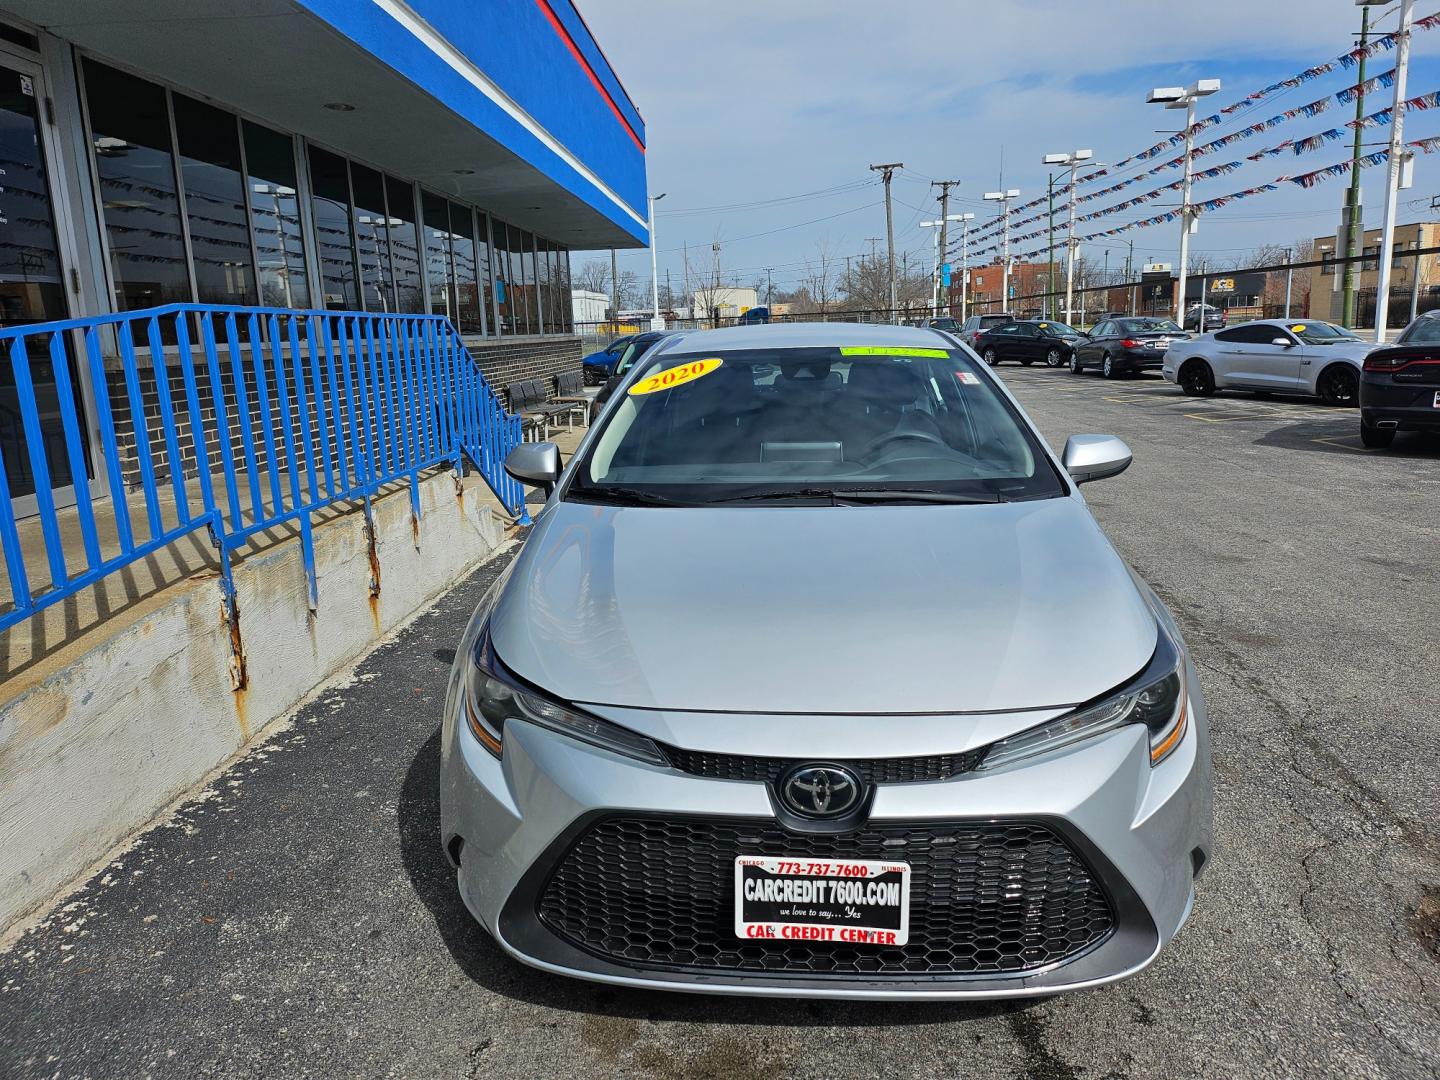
(508, 360)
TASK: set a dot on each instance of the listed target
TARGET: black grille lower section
(906, 770)
(985, 898)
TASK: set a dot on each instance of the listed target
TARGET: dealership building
(428, 156)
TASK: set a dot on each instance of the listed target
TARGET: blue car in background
(754, 315)
(598, 366)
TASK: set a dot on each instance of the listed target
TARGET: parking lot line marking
(1334, 441)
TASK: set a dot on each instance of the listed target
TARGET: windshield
(1319, 333)
(822, 424)
(1421, 332)
(633, 352)
(943, 324)
(1149, 326)
(1057, 329)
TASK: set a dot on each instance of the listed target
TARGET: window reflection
(30, 285)
(404, 246)
(275, 214)
(330, 189)
(438, 268)
(130, 133)
(527, 281)
(372, 242)
(214, 184)
(467, 287)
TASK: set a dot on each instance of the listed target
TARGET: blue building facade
(421, 157)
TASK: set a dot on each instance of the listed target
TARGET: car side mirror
(1285, 341)
(1095, 457)
(536, 464)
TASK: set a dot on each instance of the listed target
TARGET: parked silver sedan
(817, 678)
(1293, 356)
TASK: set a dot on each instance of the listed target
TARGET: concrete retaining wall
(96, 749)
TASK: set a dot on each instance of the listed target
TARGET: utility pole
(1130, 276)
(887, 171)
(1350, 215)
(1175, 97)
(769, 287)
(944, 186)
(1396, 163)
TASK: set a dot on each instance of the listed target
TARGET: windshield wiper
(855, 496)
(622, 496)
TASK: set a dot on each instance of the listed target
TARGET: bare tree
(628, 292)
(707, 279)
(818, 282)
(594, 276)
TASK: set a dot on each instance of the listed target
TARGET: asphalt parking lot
(298, 919)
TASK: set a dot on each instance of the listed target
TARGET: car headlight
(1155, 698)
(494, 695)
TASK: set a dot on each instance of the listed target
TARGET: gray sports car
(817, 678)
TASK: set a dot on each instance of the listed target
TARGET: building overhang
(550, 144)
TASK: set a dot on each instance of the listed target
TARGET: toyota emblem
(820, 790)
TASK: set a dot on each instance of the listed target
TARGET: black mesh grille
(872, 771)
(984, 898)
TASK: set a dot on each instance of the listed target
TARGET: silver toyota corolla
(816, 678)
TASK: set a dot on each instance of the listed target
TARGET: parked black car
(976, 325)
(948, 323)
(1400, 385)
(1125, 346)
(1027, 341)
(1214, 319)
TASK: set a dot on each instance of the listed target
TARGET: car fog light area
(493, 695)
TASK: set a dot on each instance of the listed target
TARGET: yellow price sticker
(888, 350)
(1298, 329)
(676, 376)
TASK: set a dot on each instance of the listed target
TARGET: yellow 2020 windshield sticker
(890, 350)
(675, 376)
(1299, 329)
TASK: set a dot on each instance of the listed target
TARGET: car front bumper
(1142, 833)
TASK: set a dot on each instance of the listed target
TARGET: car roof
(812, 335)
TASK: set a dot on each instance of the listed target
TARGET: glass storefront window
(567, 304)
(130, 133)
(330, 191)
(275, 217)
(438, 269)
(214, 182)
(504, 285)
(544, 286)
(467, 287)
(372, 241)
(404, 247)
(31, 289)
(483, 270)
(527, 282)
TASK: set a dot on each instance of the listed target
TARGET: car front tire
(1075, 366)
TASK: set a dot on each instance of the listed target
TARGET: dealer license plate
(1437, 399)
(796, 898)
(1159, 343)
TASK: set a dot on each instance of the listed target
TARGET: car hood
(872, 609)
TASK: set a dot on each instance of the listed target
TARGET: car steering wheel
(896, 436)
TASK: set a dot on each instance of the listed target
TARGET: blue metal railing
(285, 411)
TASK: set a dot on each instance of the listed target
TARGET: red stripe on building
(559, 28)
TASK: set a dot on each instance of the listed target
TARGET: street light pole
(965, 220)
(1073, 160)
(656, 322)
(1175, 97)
(1396, 163)
(1350, 222)
(1004, 198)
